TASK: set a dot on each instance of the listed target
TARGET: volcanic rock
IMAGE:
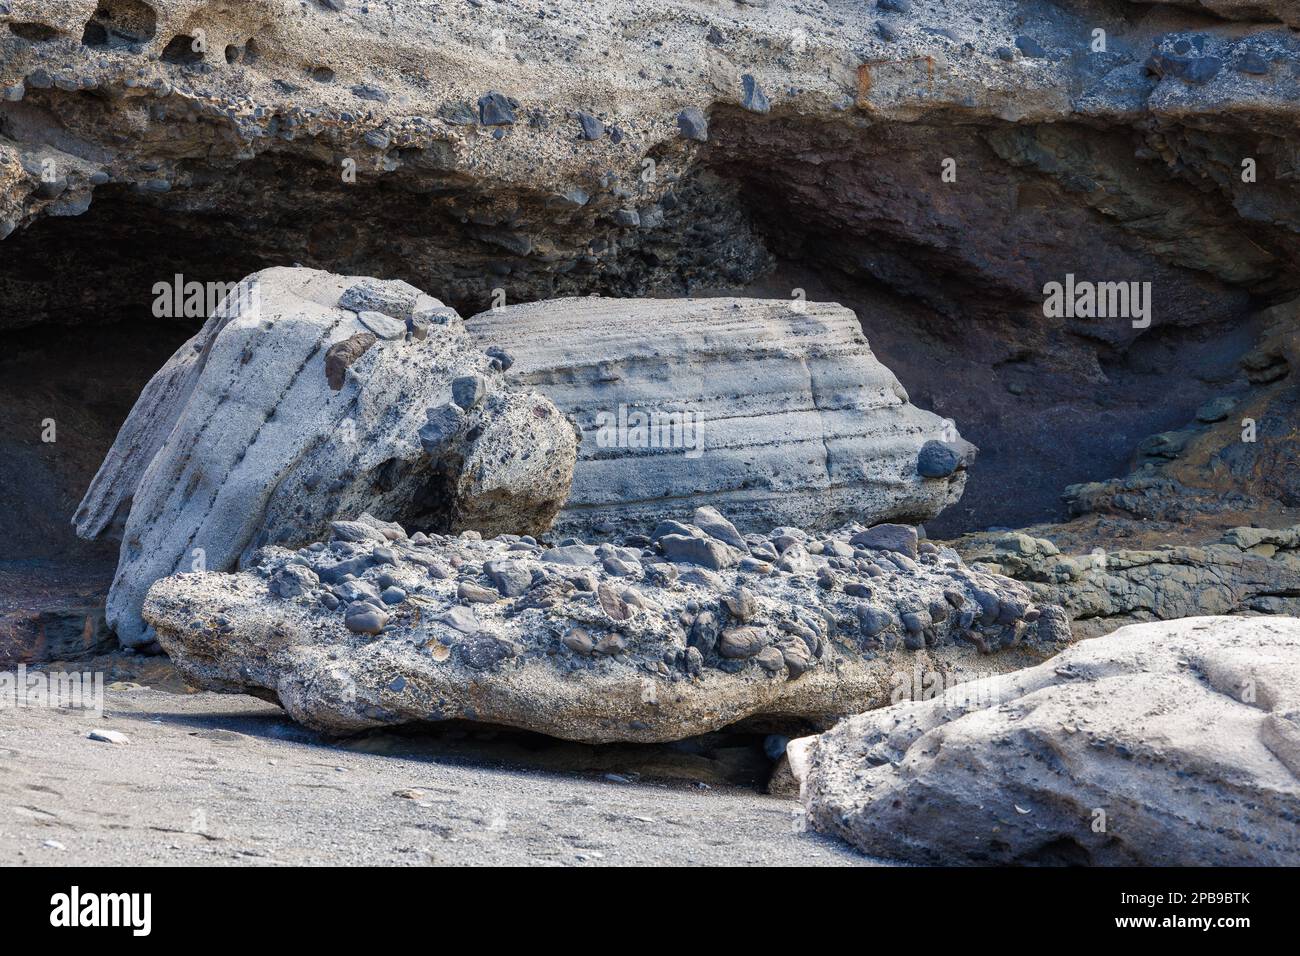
(645, 656)
(1164, 744)
(775, 414)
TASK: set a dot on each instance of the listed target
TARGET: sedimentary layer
(774, 412)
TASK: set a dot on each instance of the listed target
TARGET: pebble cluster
(685, 597)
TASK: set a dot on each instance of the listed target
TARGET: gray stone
(1017, 769)
(475, 594)
(875, 621)
(702, 551)
(365, 618)
(709, 520)
(510, 577)
(592, 128)
(664, 528)
(741, 642)
(752, 97)
(443, 427)
(693, 125)
(396, 300)
(579, 554)
(496, 109)
(938, 459)
(468, 391)
(460, 618)
(297, 447)
(383, 326)
(900, 538)
(815, 427)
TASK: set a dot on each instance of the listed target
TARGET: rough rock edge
(1012, 769)
(592, 644)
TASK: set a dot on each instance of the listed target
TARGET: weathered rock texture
(1170, 539)
(646, 148)
(1161, 745)
(309, 397)
(700, 630)
(1248, 571)
(776, 412)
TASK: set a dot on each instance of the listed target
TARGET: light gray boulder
(775, 412)
(287, 411)
(1164, 744)
(629, 646)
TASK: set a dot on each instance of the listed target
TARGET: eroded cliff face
(930, 165)
(475, 149)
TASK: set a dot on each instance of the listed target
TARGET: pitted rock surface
(629, 642)
(1165, 744)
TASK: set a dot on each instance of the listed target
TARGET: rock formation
(1072, 229)
(775, 412)
(1161, 745)
(1238, 457)
(308, 397)
(690, 630)
(1248, 571)
(963, 157)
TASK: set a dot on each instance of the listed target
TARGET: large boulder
(1160, 745)
(309, 397)
(604, 643)
(775, 411)
(1121, 165)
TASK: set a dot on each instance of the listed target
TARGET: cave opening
(958, 313)
(1009, 387)
(1048, 406)
(78, 343)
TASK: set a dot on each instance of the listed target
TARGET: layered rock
(678, 147)
(309, 397)
(776, 412)
(1204, 523)
(693, 629)
(1248, 571)
(1167, 744)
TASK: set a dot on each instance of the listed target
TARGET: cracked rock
(320, 420)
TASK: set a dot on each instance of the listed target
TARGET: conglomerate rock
(776, 412)
(526, 139)
(306, 397)
(1165, 744)
(691, 630)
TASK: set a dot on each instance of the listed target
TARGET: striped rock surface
(774, 416)
(310, 398)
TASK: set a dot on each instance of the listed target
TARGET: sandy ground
(215, 779)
